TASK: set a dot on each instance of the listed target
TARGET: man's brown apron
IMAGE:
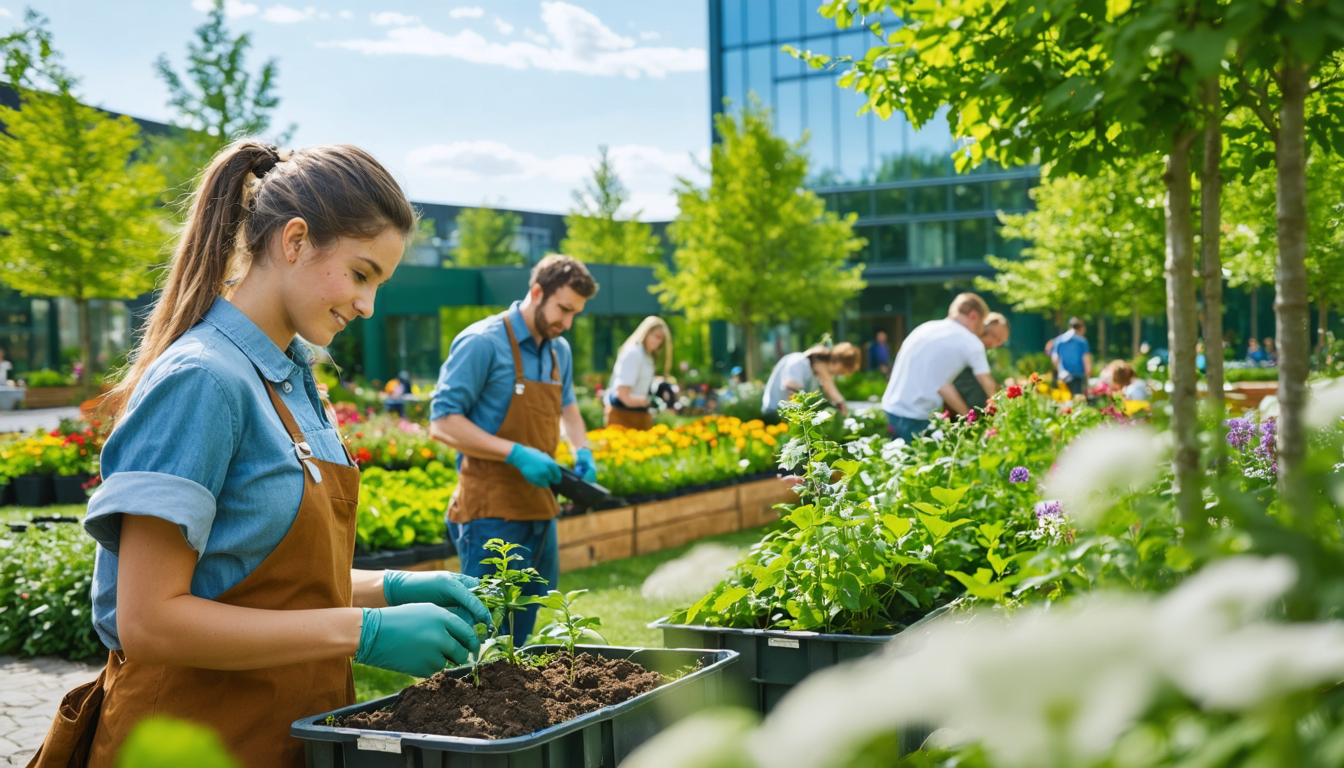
(488, 488)
(251, 709)
(624, 417)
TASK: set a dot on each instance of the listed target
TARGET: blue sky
(467, 102)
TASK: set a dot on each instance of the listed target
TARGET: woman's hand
(442, 588)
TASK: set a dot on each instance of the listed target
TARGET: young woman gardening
(225, 521)
(809, 371)
(630, 394)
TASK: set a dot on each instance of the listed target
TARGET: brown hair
(250, 191)
(557, 270)
(1122, 373)
(844, 353)
(965, 303)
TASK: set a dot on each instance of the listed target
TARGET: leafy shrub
(744, 402)
(45, 606)
(710, 449)
(867, 385)
(46, 378)
(390, 442)
(399, 509)
(1252, 374)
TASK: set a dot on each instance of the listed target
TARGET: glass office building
(928, 228)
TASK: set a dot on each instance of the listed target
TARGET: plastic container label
(375, 743)
(782, 642)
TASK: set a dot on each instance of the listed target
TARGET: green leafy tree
(485, 238)
(78, 208)
(217, 100)
(1096, 247)
(754, 248)
(595, 235)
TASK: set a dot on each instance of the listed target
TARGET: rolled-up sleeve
(462, 377)
(167, 458)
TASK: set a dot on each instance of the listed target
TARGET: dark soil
(512, 700)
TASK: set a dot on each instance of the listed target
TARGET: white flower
(822, 417)
(1101, 464)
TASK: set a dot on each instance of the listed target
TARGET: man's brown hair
(965, 303)
(557, 270)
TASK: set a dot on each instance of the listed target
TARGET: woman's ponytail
(249, 191)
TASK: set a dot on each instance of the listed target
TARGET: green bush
(46, 378)
(746, 405)
(591, 410)
(45, 604)
(399, 509)
(862, 386)
(1252, 374)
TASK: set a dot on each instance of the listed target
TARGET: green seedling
(502, 595)
(570, 627)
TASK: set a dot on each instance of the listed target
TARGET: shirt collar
(520, 330)
(275, 365)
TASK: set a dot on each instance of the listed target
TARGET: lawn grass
(613, 595)
(15, 514)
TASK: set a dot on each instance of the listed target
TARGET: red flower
(1035, 378)
(991, 432)
(1068, 409)
(991, 409)
(363, 455)
(971, 416)
(1014, 391)
(24, 595)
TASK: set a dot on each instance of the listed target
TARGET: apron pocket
(71, 736)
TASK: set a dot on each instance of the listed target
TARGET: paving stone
(7, 747)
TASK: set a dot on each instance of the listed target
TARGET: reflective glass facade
(926, 225)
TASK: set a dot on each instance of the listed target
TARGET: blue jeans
(539, 546)
(906, 429)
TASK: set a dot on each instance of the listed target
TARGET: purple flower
(1048, 509)
(1239, 432)
(1265, 451)
(1019, 475)
(971, 416)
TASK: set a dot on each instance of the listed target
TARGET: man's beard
(543, 325)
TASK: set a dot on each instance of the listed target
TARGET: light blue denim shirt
(477, 378)
(201, 445)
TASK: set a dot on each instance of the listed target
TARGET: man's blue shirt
(1070, 347)
(878, 355)
(477, 379)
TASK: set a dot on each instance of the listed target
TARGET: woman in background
(809, 371)
(629, 401)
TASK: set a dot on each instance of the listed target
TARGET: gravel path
(30, 692)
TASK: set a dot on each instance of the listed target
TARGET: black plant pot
(70, 489)
(7, 494)
(34, 490)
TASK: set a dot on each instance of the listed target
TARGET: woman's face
(326, 289)
(653, 341)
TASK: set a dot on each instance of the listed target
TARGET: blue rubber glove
(584, 466)
(442, 588)
(417, 639)
(537, 468)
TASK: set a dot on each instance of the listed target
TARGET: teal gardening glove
(442, 588)
(584, 466)
(417, 639)
(537, 468)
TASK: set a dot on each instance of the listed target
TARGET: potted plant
(31, 462)
(595, 703)
(49, 389)
(74, 465)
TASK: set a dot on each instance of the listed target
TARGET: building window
(732, 22)
(789, 18)
(760, 79)
(972, 240)
(930, 199)
(733, 82)
(820, 107)
(893, 202)
(1011, 194)
(789, 108)
(893, 243)
(969, 197)
(758, 21)
(1006, 248)
(854, 202)
(929, 243)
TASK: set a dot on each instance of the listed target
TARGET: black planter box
(34, 491)
(400, 558)
(600, 738)
(69, 489)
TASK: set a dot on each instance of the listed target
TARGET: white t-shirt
(634, 369)
(5, 368)
(795, 367)
(1137, 390)
(930, 357)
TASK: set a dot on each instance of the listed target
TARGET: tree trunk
(1210, 222)
(749, 340)
(1135, 330)
(85, 341)
(1183, 327)
(1292, 313)
(1101, 340)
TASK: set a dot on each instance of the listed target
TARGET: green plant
(46, 574)
(569, 626)
(48, 378)
(391, 442)
(501, 593)
(398, 509)
(1252, 374)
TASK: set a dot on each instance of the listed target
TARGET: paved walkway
(46, 418)
(30, 692)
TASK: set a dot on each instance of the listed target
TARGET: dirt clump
(512, 700)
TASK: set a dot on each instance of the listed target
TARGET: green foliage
(216, 101)
(485, 239)
(569, 626)
(391, 442)
(48, 378)
(593, 233)
(46, 574)
(502, 595)
(1252, 374)
(399, 509)
(755, 248)
(865, 385)
(164, 742)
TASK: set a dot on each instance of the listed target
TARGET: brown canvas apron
(251, 709)
(488, 488)
(622, 417)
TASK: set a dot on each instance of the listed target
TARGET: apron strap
(555, 364)
(301, 447)
(517, 353)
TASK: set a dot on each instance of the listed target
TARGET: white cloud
(283, 14)
(467, 12)
(504, 27)
(5, 12)
(393, 19)
(233, 9)
(649, 35)
(324, 15)
(583, 44)
(346, 14)
(536, 37)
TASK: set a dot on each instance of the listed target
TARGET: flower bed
(390, 442)
(400, 509)
(46, 573)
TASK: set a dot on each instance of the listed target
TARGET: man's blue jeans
(539, 546)
(906, 429)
